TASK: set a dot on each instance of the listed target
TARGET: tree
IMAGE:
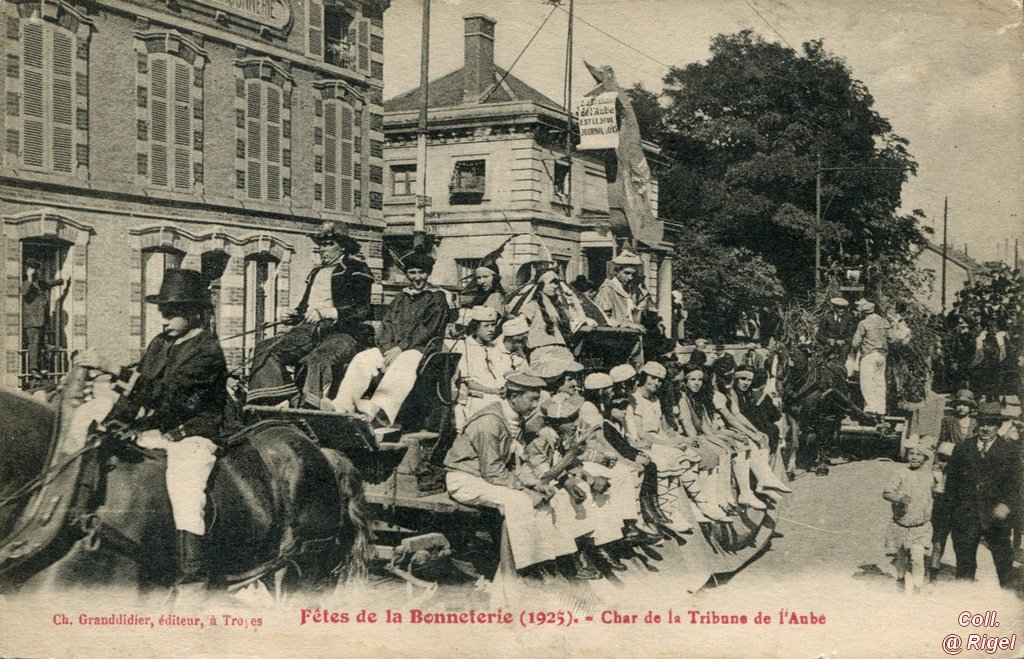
(746, 130)
(718, 282)
(649, 113)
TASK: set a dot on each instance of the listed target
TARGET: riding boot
(741, 468)
(582, 562)
(766, 478)
(649, 509)
(634, 534)
(669, 497)
(610, 559)
(191, 561)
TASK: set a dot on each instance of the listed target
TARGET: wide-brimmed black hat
(335, 232)
(182, 287)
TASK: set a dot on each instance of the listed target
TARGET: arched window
(260, 299)
(155, 260)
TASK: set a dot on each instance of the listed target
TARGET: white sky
(948, 74)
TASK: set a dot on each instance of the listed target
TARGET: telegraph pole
(419, 227)
(945, 215)
(817, 226)
(568, 109)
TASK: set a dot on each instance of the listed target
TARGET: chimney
(478, 67)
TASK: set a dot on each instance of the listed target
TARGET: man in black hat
(958, 424)
(34, 311)
(181, 389)
(326, 336)
(413, 326)
(983, 494)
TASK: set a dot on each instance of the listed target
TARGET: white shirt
(320, 296)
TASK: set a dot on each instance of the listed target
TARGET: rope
(516, 60)
(814, 528)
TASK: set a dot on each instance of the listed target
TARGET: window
(338, 132)
(154, 262)
(212, 266)
(561, 179)
(328, 34)
(263, 137)
(468, 182)
(403, 180)
(44, 319)
(170, 122)
(48, 98)
(260, 299)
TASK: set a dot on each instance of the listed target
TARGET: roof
(447, 91)
(956, 256)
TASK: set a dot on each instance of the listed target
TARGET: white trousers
(189, 463)
(621, 500)
(394, 387)
(532, 533)
(872, 382)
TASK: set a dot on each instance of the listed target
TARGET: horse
(281, 510)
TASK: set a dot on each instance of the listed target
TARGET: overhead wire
(516, 60)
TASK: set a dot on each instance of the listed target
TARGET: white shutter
(254, 151)
(63, 102)
(363, 45)
(182, 126)
(331, 155)
(273, 143)
(158, 122)
(315, 29)
(32, 97)
(345, 146)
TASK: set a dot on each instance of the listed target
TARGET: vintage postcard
(511, 328)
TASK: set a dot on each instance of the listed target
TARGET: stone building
(496, 166)
(206, 134)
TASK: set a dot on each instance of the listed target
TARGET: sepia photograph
(609, 328)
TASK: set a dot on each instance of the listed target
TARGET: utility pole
(568, 110)
(1016, 261)
(945, 223)
(817, 226)
(419, 227)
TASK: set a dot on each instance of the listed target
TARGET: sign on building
(598, 126)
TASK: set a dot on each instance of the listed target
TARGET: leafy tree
(649, 113)
(747, 129)
(718, 282)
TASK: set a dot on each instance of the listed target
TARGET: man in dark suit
(35, 311)
(837, 327)
(983, 491)
(327, 334)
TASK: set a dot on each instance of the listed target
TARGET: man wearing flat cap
(615, 298)
(483, 468)
(871, 340)
(483, 365)
(326, 333)
(413, 326)
(983, 484)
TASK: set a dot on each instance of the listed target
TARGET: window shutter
(273, 145)
(182, 126)
(315, 29)
(158, 124)
(363, 45)
(32, 97)
(62, 101)
(331, 155)
(253, 142)
(345, 145)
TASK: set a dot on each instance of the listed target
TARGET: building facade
(205, 134)
(497, 165)
(960, 271)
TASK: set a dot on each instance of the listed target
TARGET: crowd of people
(584, 461)
(965, 484)
(983, 337)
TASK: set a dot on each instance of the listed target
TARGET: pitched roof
(447, 91)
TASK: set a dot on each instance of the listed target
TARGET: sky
(948, 74)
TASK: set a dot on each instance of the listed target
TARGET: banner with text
(598, 127)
